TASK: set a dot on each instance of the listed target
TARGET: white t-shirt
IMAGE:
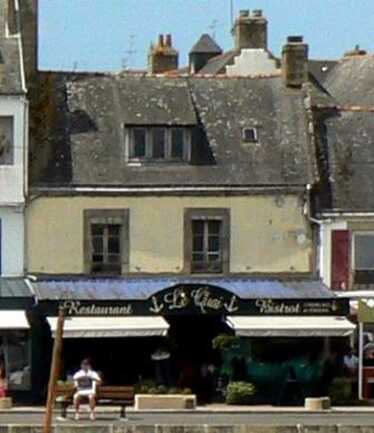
(86, 380)
(351, 361)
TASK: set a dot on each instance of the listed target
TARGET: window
(207, 240)
(363, 257)
(6, 140)
(159, 144)
(139, 140)
(364, 251)
(250, 135)
(15, 355)
(206, 246)
(106, 242)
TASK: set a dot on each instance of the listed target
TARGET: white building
(13, 146)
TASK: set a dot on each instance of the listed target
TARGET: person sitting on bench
(86, 381)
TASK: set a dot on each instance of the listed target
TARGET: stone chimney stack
(251, 30)
(295, 62)
(163, 57)
(28, 22)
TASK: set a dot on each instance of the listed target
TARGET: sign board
(201, 300)
(366, 310)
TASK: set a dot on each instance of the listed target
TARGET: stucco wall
(12, 241)
(264, 233)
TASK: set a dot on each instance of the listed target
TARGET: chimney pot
(257, 13)
(163, 57)
(295, 39)
(244, 13)
(169, 40)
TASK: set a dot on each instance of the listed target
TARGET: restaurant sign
(204, 300)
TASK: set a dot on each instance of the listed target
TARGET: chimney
(204, 50)
(250, 30)
(163, 57)
(295, 62)
(28, 21)
(12, 17)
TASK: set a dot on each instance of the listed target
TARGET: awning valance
(111, 327)
(13, 320)
(290, 326)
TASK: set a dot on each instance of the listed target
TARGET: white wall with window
(13, 183)
(13, 149)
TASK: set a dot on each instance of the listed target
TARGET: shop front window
(15, 357)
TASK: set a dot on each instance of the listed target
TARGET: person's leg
(92, 403)
(77, 402)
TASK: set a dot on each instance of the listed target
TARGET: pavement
(211, 415)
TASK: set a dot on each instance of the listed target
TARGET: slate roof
(206, 45)
(14, 288)
(347, 136)
(218, 64)
(351, 81)
(88, 142)
(143, 288)
(321, 69)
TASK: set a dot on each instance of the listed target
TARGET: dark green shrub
(161, 389)
(224, 341)
(340, 391)
(240, 393)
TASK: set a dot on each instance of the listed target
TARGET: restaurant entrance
(194, 361)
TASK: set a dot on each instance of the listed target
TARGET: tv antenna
(213, 27)
(232, 12)
(130, 53)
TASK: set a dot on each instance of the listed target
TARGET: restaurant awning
(111, 327)
(13, 320)
(290, 326)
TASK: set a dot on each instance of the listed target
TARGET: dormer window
(158, 144)
(250, 135)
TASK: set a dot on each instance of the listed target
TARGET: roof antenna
(232, 13)
(130, 53)
(213, 28)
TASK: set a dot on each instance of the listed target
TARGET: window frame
(106, 217)
(149, 149)
(206, 214)
(255, 134)
(11, 156)
(354, 234)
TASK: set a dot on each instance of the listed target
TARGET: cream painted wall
(12, 241)
(266, 235)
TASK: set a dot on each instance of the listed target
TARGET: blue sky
(98, 34)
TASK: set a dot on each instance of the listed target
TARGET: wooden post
(55, 371)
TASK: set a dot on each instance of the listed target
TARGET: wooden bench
(122, 396)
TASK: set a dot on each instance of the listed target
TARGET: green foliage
(150, 387)
(224, 342)
(240, 393)
(340, 391)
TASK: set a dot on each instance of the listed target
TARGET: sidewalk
(208, 409)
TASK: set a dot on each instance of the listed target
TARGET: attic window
(158, 144)
(250, 135)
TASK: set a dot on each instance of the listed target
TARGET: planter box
(6, 403)
(170, 401)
